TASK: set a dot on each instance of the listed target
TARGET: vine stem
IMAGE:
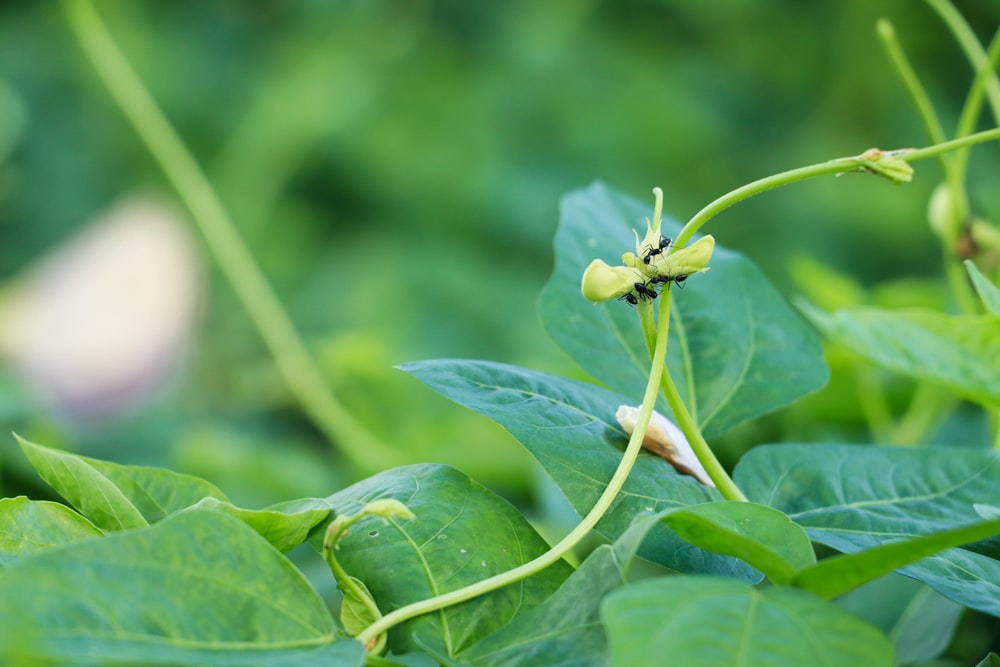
(837, 166)
(296, 366)
(596, 513)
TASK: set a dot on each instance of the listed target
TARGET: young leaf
(992, 660)
(285, 526)
(712, 622)
(736, 348)
(114, 496)
(462, 533)
(570, 427)
(29, 526)
(988, 292)
(835, 576)
(566, 629)
(856, 497)
(197, 588)
(758, 535)
(84, 487)
(961, 352)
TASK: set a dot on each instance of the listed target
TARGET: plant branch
(596, 513)
(973, 49)
(234, 259)
(686, 423)
(887, 34)
(837, 166)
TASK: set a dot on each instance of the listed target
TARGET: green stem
(973, 49)
(234, 259)
(596, 513)
(873, 403)
(887, 34)
(686, 423)
(926, 408)
(838, 166)
(974, 101)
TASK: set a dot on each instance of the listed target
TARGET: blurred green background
(396, 168)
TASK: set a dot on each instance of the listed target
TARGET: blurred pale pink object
(664, 439)
(100, 322)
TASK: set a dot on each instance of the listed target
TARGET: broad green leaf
(570, 427)
(197, 588)
(988, 292)
(835, 576)
(854, 497)
(920, 621)
(29, 526)
(114, 496)
(462, 533)
(756, 534)
(960, 352)
(566, 629)
(992, 660)
(736, 349)
(285, 526)
(713, 622)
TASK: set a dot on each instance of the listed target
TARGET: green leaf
(566, 629)
(84, 487)
(29, 526)
(285, 526)
(113, 496)
(854, 497)
(756, 534)
(835, 576)
(355, 612)
(570, 427)
(732, 336)
(713, 622)
(462, 533)
(988, 292)
(960, 352)
(920, 621)
(992, 660)
(197, 588)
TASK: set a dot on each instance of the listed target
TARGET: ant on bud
(678, 279)
(653, 252)
(644, 292)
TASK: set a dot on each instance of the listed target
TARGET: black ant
(653, 252)
(644, 292)
(678, 279)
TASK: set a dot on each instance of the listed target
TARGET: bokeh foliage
(396, 169)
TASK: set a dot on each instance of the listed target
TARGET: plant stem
(234, 259)
(837, 166)
(686, 423)
(596, 513)
(887, 34)
(970, 44)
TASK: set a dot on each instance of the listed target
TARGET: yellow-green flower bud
(887, 163)
(388, 508)
(602, 282)
(691, 259)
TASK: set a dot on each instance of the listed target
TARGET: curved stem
(686, 423)
(887, 34)
(234, 259)
(970, 44)
(556, 553)
(838, 166)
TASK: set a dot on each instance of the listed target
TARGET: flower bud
(602, 282)
(388, 508)
(688, 260)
